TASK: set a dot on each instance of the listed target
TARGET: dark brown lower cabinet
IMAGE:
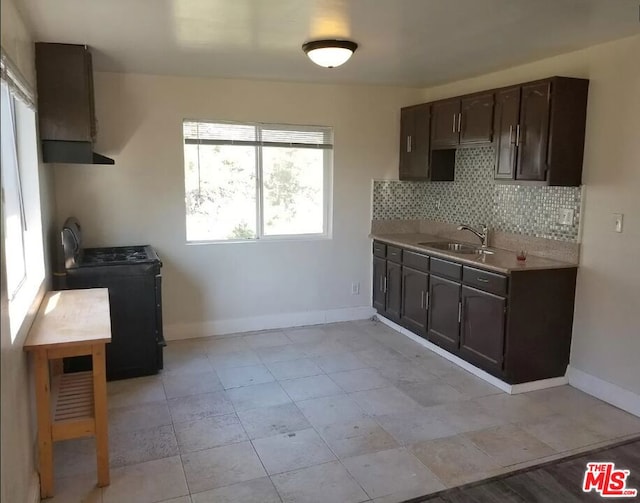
(379, 279)
(467, 314)
(444, 315)
(387, 287)
(415, 298)
(394, 290)
(482, 329)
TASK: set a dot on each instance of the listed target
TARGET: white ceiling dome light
(329, 53)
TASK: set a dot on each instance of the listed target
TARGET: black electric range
(132, 275)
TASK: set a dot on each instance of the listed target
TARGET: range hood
(72, 152)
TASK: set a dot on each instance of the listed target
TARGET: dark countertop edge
(396, 239)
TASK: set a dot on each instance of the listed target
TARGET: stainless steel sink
(458, 248)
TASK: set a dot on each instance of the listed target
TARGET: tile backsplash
(475, 197)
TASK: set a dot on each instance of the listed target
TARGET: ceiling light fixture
(329, 53)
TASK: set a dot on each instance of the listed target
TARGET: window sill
(275, 239)
(23, 308)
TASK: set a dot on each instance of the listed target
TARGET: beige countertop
(71, 317)
(503, 261)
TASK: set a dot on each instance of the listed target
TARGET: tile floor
(341, 413)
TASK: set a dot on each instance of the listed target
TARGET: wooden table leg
(100, 413)
(43, 404)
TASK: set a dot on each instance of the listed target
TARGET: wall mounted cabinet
(537, 128)
(540, 131)
(418, 161)
(414, 142)
(66, 112)
(467, 120)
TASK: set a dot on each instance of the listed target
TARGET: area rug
(558, 481)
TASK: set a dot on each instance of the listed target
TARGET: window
(22, 221)
(256, 181)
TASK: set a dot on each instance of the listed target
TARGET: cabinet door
(534, 132)
(445, 117)
(65, 99)
(406, 137)
(415, 296)
(394, 290)
(507, 113)
(476, 123)
(482, 331)
(419, 161)
(444, 313)
(414, 142)
(379, 280)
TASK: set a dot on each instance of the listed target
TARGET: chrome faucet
(482, 235)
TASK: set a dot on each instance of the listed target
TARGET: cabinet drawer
(487, 281)
(446, 269)
(394, 254)
(415, 261)
(379, 249)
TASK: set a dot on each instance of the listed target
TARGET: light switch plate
(617, 220)
(565, 216)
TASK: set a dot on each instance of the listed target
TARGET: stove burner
(117, 255)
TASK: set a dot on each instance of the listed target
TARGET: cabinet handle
(459, 122)
(385, 284)
(381, 284)
(409, 143)
(459, 311)
(422, 299)
(518, 135)
(510, 133)
(426, 300)
(453, 129)
(482, 280)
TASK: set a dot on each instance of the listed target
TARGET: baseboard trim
(179, 331)
(512, 389)
(605, 391)
(33, 496)
(552, 382)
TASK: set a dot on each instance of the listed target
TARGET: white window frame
(327, 201)
(28, 294)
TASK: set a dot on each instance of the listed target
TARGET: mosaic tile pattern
(475, 198)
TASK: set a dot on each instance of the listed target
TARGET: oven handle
(159, 332)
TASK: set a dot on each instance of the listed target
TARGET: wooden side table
(71, 323)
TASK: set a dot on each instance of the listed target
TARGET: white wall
(19, 482)
(226, 287)
(606, 332)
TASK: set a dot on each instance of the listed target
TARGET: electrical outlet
(565, 217)
(617, 219)
(355, 288)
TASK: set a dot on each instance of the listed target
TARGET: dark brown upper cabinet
(540, 131)
(507, 114)
(66, 112)
(444, 126)
(414, 142)
(476, 119)
(467, 120)
(418, 161)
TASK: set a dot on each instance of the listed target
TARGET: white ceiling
(405, 42)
